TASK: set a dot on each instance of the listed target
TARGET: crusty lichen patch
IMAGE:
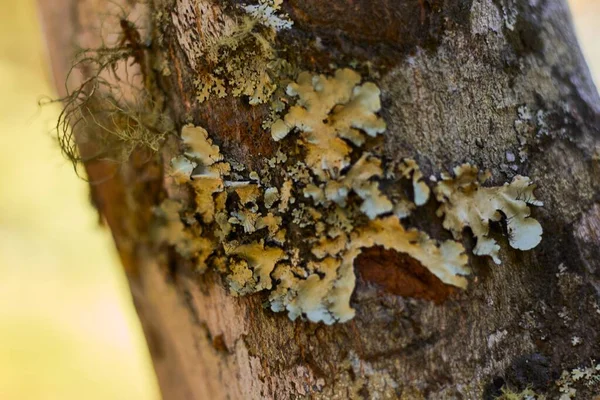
(466, 203)
(187, 240)
(242, 61)
(296, 228)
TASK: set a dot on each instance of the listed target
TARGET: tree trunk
(500, 84)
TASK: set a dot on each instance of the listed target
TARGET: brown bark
(453, 76)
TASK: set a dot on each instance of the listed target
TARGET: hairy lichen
(112, 112)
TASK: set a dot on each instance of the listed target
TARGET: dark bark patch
(381, 31)
(587, 235)
(218, 343)
(494, 389)
(400, 274)
(525, 27)
(532, 370)
(236, 126)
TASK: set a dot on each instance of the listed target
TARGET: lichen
(409, 168)
(465, 203)
(266, 14)
(208, 175)
(576, 383)
(447, 260)
(296, 228)
(200, 145)
(527, 394)
(242, 61)
(261, 259)
(188, 241)
(329, 111)
(181, 169)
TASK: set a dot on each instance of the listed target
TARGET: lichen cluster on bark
(497, 84)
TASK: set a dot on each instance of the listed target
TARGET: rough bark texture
(455, 76)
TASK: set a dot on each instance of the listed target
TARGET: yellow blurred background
(68, 329)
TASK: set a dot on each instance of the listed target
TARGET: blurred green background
(68, 329)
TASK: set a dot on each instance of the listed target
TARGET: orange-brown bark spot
(400, 274)
(219, 344)
(236, 127)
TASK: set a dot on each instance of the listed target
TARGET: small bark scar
(401, 275)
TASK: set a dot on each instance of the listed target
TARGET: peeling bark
(500, 84)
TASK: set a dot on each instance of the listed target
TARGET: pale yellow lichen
(224, 227)
(403, 208)
(241, 280)
(286, 195)
(330, 247)
(200, 145)
(181, 169)
(446, 261)
(308, 296)
(271, 222)
(339, 222)
(204, 189)
(220, 201)
(261, 259)
(208, 84)
(175, 233)
(324, 295)
(316, 279)
(329, 110)
(409, 168)
(209, 179)
(248, 193)
(466, 203)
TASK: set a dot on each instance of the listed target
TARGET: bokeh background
(68, 329)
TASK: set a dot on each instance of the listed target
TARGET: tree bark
(458, 81)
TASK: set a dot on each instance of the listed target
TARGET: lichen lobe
(464, 202)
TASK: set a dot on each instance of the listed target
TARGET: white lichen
(266, 14)
(465, 203)
(271, 196)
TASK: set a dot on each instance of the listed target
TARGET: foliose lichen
(466, 203)
(296, 228)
